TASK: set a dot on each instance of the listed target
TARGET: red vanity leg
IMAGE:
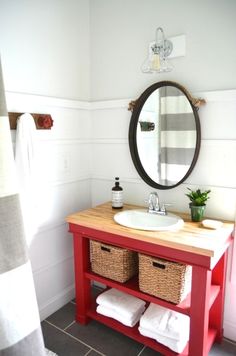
(82, 284)
(199, 312)
(217, 309)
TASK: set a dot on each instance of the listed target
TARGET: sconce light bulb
(155, 62)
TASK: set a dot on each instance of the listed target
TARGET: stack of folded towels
(166, 326)
(120, 306)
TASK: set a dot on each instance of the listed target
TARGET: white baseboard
(230, 330)
(55, 303)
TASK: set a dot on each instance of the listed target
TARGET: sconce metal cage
(158, 52)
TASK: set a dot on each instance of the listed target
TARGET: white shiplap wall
(63, 188)
(215, 168)
(86, 148)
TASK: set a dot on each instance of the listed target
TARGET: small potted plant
(197, 205)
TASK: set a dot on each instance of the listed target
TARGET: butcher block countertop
(192, 237)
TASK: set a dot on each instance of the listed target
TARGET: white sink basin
(142, 220)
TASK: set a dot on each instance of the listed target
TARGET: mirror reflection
(166, 136)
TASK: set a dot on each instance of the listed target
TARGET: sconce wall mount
(164, 48)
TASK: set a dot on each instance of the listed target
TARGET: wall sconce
(156, 61)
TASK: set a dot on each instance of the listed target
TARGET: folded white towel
(175, 345)
(124, 304)
(112, 314)
(165, 322)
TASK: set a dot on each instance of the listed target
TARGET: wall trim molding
(24, 101)
(124, 179)
(109, 141)
(110, 104)
(217, 95)
(55, 183)
(140, 181)
(52, 265)
(56, 302)
(52, 226)
(209, 96)
(58, 141)
(66, 141)
(206, 141)
(229, 330)
(64, 296)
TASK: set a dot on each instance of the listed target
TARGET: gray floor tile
(226, 348)
(105, 340)
(63, 317)
(149, 352)
(64, 345)
(93, 353)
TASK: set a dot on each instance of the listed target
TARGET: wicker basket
(164, 279)
(113, 262)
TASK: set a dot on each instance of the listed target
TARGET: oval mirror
(164, 134)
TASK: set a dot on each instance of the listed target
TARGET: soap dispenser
(117, 195)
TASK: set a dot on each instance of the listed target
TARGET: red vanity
(204, 249)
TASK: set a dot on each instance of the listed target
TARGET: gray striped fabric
(178, 135)
(20, 331)
(30, 345)
(181, 155)
(13, 250)
(178, 122)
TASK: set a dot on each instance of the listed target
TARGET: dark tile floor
(67, 338)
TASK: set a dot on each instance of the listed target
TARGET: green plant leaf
(197, 197)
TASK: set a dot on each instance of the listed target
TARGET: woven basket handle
(104, 248)
(158, 265)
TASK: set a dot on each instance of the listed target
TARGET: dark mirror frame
(136, 107)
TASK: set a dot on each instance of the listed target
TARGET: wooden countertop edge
(104, 212)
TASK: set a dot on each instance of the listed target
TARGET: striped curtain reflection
(177, 135)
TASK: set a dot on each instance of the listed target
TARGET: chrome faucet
(153, 202)
(154, 205)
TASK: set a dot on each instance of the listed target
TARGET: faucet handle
(163, 207)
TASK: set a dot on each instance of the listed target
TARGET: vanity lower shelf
(134, 334)
(131, 287)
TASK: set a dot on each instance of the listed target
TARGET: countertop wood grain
(192, 237)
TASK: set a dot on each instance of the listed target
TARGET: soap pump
(117, 195)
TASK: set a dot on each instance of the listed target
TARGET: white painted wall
(215, 168)
(218, 149)
(45, 51)
(120, 34)
(64, 167)
(121, 31)
(45, 47)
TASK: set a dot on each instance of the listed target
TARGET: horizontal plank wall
(63, 187)
(88, 146)
(215, 168)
